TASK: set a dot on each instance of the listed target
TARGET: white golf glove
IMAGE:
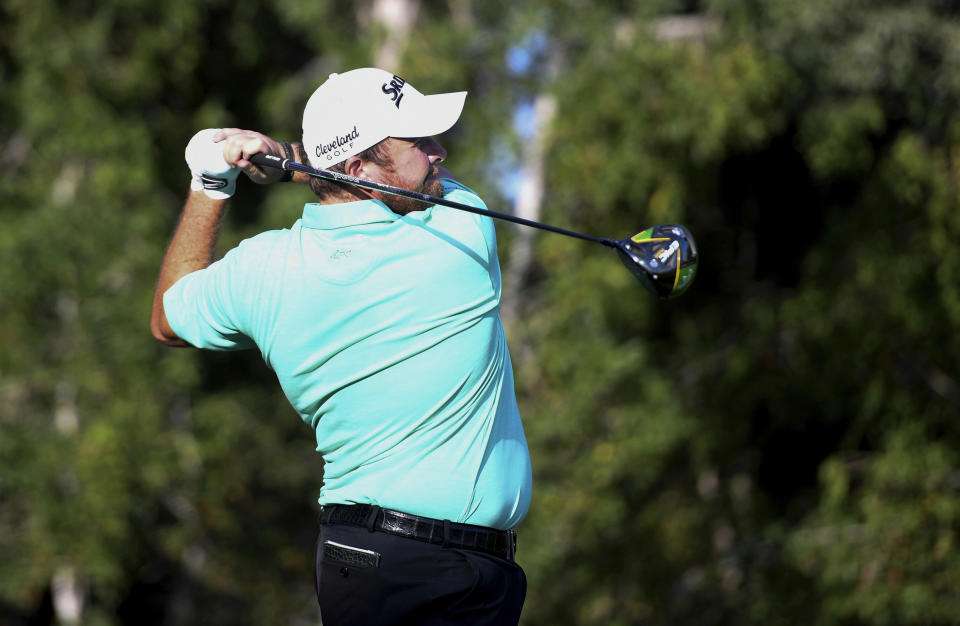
(210, 172)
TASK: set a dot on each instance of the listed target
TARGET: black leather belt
(501, 543)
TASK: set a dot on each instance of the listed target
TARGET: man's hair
(324, 188)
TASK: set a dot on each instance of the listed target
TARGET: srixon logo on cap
(394, 90)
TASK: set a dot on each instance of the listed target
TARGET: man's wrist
(288, 153)
(199, 202)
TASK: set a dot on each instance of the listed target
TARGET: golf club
(663, 258)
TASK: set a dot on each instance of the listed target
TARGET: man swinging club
(380, 317)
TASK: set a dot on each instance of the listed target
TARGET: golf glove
(210, 172)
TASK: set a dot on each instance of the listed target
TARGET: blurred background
(777, 446)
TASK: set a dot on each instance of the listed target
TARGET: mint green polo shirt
(385, 335)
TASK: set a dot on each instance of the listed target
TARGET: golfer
(380, 317)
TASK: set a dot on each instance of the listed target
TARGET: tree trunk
(527, 205)
(397, 17)
(68, 595)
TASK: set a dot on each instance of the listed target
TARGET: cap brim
(434, 114)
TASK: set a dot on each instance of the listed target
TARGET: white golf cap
(357, 109)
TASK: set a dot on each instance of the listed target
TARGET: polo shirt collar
(346, 214)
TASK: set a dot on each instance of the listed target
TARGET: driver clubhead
(664, 258)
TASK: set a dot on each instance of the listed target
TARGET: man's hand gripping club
(215, 158)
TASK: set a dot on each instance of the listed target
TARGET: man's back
(384, 332)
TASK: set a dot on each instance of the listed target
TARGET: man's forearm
(191, 249)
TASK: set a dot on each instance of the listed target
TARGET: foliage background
(778, 446)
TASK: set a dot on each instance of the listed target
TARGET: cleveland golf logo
(332, 149)
(394, 90)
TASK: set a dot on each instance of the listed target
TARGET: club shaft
(292, 166)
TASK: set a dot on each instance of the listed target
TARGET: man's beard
(402, 205)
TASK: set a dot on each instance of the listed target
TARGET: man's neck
(351, 194)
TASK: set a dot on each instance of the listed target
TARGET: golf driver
(663, 258)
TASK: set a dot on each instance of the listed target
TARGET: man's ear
(354, 167)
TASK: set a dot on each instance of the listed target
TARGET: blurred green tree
(812, 149)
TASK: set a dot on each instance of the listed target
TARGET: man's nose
(432, 148)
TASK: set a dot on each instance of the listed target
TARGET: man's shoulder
(268, 237)
(449, 184)
(458, 192)
(260, 246)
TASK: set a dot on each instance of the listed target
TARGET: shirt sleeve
(458, 192)
(207, 308)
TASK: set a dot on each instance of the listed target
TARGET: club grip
(268, 160)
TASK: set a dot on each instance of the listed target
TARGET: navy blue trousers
(369, 578)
